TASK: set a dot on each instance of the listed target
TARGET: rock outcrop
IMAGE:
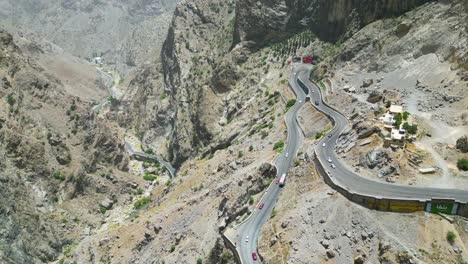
(331, 20)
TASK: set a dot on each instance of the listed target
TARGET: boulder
(462, 144)
(367, 82)
(403, 28)
(331, 253)
(325, 243)
(374, 97)
(368, 132)
(359, 260)
(267, 170)
(107, 203)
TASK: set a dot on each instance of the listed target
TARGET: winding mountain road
(355, 183)
(245, 235)
(252, 226)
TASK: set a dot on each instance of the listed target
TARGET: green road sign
(441, 207)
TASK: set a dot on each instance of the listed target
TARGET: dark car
(316, 102)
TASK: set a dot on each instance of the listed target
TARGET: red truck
(307, 59)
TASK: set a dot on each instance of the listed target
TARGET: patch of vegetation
(273, 213)
(240, 154)
(251, 200)
(102, 209)
(451, 237)
(263, 134)
(150, 177)
(462, 164)
(290, 103)
(290, 45)
(173, 248)
(226, 257)
(11, 100)
(279, 146)
(410, 129)
(149, 151)
(199, 260)
(250, 148)
(141, 202)
(162, 96)
(297, 163)
(318, 135)
(405, 115)
(169, 183)
(58, 175)
(398, 119)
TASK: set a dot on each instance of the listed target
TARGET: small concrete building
(395, 109)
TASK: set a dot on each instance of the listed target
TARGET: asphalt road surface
(252, 226)
(352, 181)
(246, 234)
(166, 164)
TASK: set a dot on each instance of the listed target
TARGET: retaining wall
(435, 205)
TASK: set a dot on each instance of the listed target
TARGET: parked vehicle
(307, 59)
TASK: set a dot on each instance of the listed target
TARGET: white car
(333, 166)
(247, 239)
(286, 155)
(329, 159)
(324, 144)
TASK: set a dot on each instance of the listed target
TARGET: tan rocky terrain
(213, 106)
(124, 33)
(54, 154)
(417, 61)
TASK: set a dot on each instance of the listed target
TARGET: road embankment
(434, 205)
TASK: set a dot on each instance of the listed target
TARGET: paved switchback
(300, 83)
(352, 181)
(252, 226)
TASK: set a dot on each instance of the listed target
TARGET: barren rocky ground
(211, 101)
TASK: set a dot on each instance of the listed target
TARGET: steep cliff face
(201, 58)
(124, 33)
(331, 20)
(52, 151)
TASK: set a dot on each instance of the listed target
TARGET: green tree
(398, 119)
(11, 100)
(405, 115)
(251, 199)
(462, 164)
(279, 146)
(290, 103)
(451, 237)
(199, 260)
(318, 135)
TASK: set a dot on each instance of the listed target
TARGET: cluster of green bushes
(141, 202)
(290, 46)
(279, 146)
(462, 164)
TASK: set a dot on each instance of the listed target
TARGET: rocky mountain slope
(262, 21)
(53, 151)
(124, 33)
(214, 107)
